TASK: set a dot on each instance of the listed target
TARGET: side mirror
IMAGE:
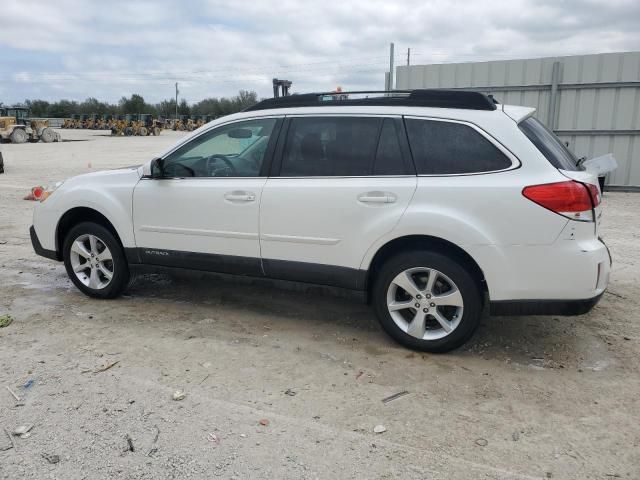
(156, 168)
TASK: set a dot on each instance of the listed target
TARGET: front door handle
(240, 196)
(377, 197)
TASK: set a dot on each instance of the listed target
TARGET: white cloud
(22, 77)
(215, 47)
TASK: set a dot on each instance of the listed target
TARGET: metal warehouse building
(591, 101)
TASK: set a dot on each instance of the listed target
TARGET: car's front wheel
(95, 261)
(427, 301)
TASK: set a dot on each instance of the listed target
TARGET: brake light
(594, 191)
(571, 199)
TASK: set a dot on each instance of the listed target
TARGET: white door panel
(330, 221)
(200, 209)
(201, 215)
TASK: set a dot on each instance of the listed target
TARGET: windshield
(18, 113)
(549, 145)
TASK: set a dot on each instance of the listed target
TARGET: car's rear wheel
(95, 261)
(427, 301)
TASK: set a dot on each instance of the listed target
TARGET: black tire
(120, 267)
(48, 135)
(19, 136)
(466, 283)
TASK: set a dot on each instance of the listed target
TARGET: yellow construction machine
(150, 125)
(17, 127)
(118, 125)
(71, 122)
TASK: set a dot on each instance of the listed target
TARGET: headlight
(46, 192)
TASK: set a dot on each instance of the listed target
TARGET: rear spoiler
(518, 113)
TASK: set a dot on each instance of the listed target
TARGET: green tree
(38, 108)
(208, 106)
(92, 105)
(166, 108)
(135, 104)
(246, 99)
(183, 108)
(63, 109)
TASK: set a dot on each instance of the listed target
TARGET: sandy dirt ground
(526, 398)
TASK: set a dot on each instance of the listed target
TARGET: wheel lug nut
(418, 296)
(425, 310)
(417, 305)
(428, 296)
(432, 304)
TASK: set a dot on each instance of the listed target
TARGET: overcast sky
(74, 49)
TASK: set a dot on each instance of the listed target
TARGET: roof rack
(439, 98)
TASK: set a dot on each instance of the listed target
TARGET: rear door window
(549, 145)
(326, 146)
(449, 148)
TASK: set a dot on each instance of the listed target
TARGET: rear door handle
(377, 197)
(240, 196)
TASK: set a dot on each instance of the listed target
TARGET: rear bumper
(566, 270)
(560, 307)
(43, 252)
(543, 307)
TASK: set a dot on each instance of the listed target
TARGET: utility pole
(408, 56)
(177, 91)
(391, 66)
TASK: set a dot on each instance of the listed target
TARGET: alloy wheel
(425, 303)
(91, 261)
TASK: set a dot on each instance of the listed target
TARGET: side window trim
(515, 161)
(269, 154)
(276, 165)
(407, 157)
(271, 147)
(409, 167)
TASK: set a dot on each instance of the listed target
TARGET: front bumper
(38, 248)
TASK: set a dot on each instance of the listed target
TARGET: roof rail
(439, 98)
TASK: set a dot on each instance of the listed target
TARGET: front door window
(234, 150)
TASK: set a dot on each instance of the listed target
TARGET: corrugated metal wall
(590, 101)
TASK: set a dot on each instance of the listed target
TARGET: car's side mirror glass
(157, 168)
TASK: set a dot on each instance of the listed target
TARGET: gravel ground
(287, 382)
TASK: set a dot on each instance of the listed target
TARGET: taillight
(594, 191)
(573, 200)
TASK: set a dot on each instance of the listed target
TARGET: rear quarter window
(448, 148)
(549, 145)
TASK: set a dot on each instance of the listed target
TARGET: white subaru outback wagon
(433, 202)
